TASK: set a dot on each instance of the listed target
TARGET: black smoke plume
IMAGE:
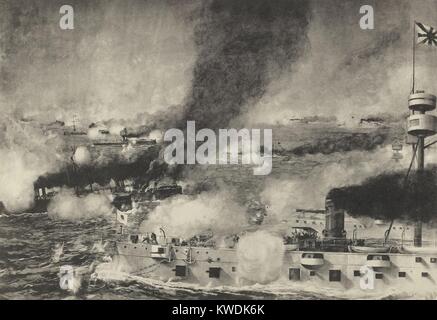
(391, 196)
(142, 168)
(241, 46)
(345, 143)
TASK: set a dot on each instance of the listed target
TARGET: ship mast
(74, 123)
(420, 126)
(420, 171)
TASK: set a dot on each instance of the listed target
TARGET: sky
(131, 58)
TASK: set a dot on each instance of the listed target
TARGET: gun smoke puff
(260, 257)
(241, 46)
(25, 154)
(185, 216)
(82, 156)
(67, 206)
(387, 196)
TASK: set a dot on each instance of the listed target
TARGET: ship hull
(333, 270)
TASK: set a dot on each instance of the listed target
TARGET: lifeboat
(358, 249)
(292, 247)
(378, 261)
(312, 260)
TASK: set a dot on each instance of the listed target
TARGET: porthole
(214, 273)
(335, 275)
(181, 271)
(294, 274)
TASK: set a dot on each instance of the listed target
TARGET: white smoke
(356, 74)
(116, 129)
(94, 133)
(82, 156)
(16, 179)
(26, 153)
(260, 257)
(186, 217)
(148, 70)
(156, 135)
(67, 206)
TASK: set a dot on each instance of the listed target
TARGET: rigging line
(387, 233)
(411, 163)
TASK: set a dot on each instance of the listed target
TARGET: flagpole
(414, 57)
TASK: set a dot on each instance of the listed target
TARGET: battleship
(121, 195)
(121, 198)
(334, 257)
(127, 219)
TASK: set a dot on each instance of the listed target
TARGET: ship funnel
(334, 220)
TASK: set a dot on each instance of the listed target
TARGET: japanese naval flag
(426, 35)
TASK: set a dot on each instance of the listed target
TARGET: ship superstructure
(332, 261)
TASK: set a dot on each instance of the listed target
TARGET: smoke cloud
(67, 206)
(101, 164)
(308, 191)
(124, 58)
(186, 217)
(210, 61)
(241, 46)
(345, 143)
(26, 152)
(260, 257)
(387, 196)
(349, 72)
